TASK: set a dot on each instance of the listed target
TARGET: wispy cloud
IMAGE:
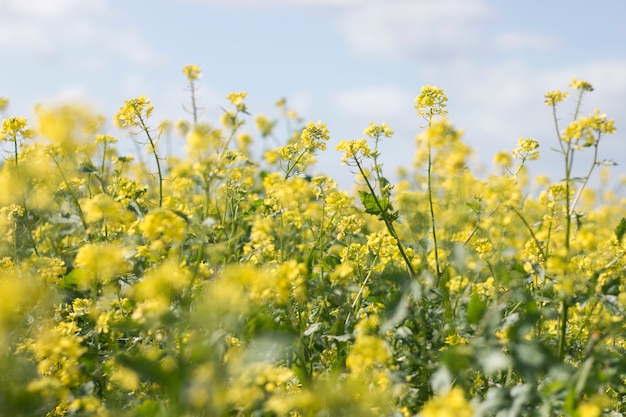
(381, 103)
(519, 41)
(44, 29)
(401, 28)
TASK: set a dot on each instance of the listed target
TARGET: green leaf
(369, 201)
(475, 308)
(301, 373)
(620, 229)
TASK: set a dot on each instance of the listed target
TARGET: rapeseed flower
(449, 404)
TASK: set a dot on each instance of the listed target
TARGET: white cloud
(45, 29)
(282, 3)
(400, 28)
(374, 102)
(51, 10)
(513, 41)
(68, 94)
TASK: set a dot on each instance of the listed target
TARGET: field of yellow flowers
(219, 284)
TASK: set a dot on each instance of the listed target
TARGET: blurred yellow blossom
(527, 149)
(577, 84)
(99, 263)
(552, 98)
(4, 103)
(450, 404)
(192, 72)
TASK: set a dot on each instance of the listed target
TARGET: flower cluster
(432, 101)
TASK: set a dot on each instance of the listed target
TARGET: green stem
(563, 328)
(193, 102)
(73, 195)
(388, 223)
(431, 207)
(584, 184)
(532, 234)
(154, 152)
(103, 168)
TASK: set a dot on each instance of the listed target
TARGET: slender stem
(193, 102)
(556, 126)
(569, 163)
(103, 167)
(232, 132)
(431, 206)
(291, 167)
(154, 152)
(532, 234)
(584, 184)
(73, 195)
(386, 220)
(563, 328)
(15, 153)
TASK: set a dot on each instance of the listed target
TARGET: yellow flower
(101, 206)
(375, 131)
(483, 246)
(100, 263)
(580, 85)
(502, 159)
(163, 224)
(552, 98)
(236, 98)
(67, 125)
(264, 125)
(163, 282)
(314, 136)
(192, 72)
(355, 149)
(4, 103)
(124, 378)
(14, 127)
(527, 149)
(367, 352)
(104, 139)
(589, 410)
(450, 404)
(431, 102)
(135, 112)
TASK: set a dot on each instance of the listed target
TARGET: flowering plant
(229, 284)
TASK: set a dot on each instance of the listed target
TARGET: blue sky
(345, 62)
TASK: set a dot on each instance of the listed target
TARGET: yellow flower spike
(4, 103)
(552, 98)
(355, 149)
(431, 102)
(134, 113)
(375, 131)
(502, 159)
(236, 98)
(264, 125)
(14, 128)
(192, 72)
(577, 84)
(527, 149)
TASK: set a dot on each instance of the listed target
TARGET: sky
(344, 62)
